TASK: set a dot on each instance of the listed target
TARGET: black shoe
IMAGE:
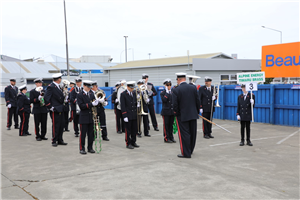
(105, 138)
(135, 145)
(91, 151)
(206, 137)
(156, 129)
(82, 151)
(168, 141)
(38, 139)
(129, 147)
(67, 130)
(62, 143)
(76, 134)
(8, 128)
(211, 136)
(16, 127)
(119, 132)
(148, 135)
(23, 135)
(242, 143)
(181, 156)
(174, 141)
(28, 134)
(44, 138)
(123, 131)
(54, 144)
(139, 135)
(249, 143)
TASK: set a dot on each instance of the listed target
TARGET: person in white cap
(143, 100)
(54, 100)
(73, 98)
(120, 126)
(11, 92)
(23, 110)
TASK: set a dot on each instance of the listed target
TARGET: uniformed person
(192, 80)
(23, 103)
(72, 84)
(151, 93)
(118, 101)
(101, 112)
(129, 113)
(11, 92)
(73, 98)
(186, 107)
(167, 111)
(39, 110)
(145, 109)
(85, 102)
(54, 100)
(66, 108)
(244, 114)
(118, 114)
(206, 101)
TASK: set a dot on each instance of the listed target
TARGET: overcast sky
(164, 28)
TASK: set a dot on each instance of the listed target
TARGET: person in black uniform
(11, 92)
(72, 84)
(244, 114)
(73, 98)
(118, 114)
(54, 100)
(151, 93)
(39, 110)
(186, 107)
(206, 101)
(129, 112)
(145, 99)
(84, 100)
(101, 112)
(167, 111)
(23, 103)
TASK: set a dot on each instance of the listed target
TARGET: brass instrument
(77, 106)
(192, 79)
(100, 95)
(41, 91)
(216, 94)
(97, 129)
(66, 92)
(139, 90)
(119, 92)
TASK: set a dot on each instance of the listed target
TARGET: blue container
(158, 104)
(108, 91)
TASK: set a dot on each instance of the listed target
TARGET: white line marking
(287, 137)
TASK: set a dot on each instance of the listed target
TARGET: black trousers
(145, 124)
(152, 115)
(24, 124)
(168, 127)
(247, 125)
(66, 117)
(75, 121)
(86, 129)
(57, 126)
(206, 125)
(119, 120)
(187, 133)
(102, 119)
(130, 132)
(40, 119)
(10, 112)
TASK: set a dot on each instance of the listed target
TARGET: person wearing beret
(244, 114)
(73, 98)
(23, 111)
(39, 110)
(11, 92)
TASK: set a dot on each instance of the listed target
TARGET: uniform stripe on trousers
(7, 117)
(53, 129)
(165, 132)
(80, 137)
(179, 134)
(23, 123)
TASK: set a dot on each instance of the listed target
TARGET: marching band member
(118, 115)
(84, 100)
(39, 110)
(72, 84)
(73, 98)
(145, 108)
(192, 80)
(101, 112)
(66, 110)
(54, 100)
(151, 93)
(167, 111)
(206, 99)
(11, 92)
(129, 113)
(24, 110)
(118, 110)
(244, 114)
(186, 107)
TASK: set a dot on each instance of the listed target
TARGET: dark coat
(85, 103)
(244, 107)
(154, 94)
(167, 104)
(73, 97)
(23, 103)
(11, 95)
(206, 99)
(186, 102)
(129, 105)
(113, 99)
(54, 97)
(34, 99)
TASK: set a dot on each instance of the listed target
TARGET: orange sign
(281, 60)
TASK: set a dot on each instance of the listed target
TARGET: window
(233, 77)
(228, 79)
(224, 77)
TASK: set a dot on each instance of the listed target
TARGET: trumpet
(41, 91)
(216, 94)
(100, 95)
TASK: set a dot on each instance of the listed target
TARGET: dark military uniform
(244, 110)
(73, 100)
(54, 98)
(186, 107)
(66, 113)
(167, 113)
(144, 118)
(40, 114)
(11, 98)
(24, 112)
(128, 108)
(151, 107)
(118, 113)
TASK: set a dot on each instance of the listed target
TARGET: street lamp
(149, 55)
(275, 30)
(125, 48)
(67, 52)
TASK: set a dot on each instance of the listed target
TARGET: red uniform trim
(179, 134)
(7, 117)
(116, 119)
(126, 137)
(48, 104)
(23, 123)
(124, 113)
(34, 100)
(87, 105)
(166, 96)
(21, 109)
(53, 126)
(80, 137)
(165, 132)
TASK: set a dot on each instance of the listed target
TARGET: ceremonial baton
(214, 124)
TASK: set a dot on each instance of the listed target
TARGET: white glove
(116, 100)
(105, 103)
(52, 109)
(201, 110)
(100, 100)
(9, 105)
(40, 97)
(95, 103)
(252, 101)
(148, 100)
(138, 104)
(213, 98)
(125, 119)
(138, 96)
(66, 100)
(166, 88)
(238, 117)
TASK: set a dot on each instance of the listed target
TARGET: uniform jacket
(54, 97)
(34, 99)
(74, 91)
(129, 105)
(167, 104)
(154, 93)
(11, 95)
(85, 103)
(206, 99)
(186, 102)
(23, 103)
(113, 99)
(244, 107)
